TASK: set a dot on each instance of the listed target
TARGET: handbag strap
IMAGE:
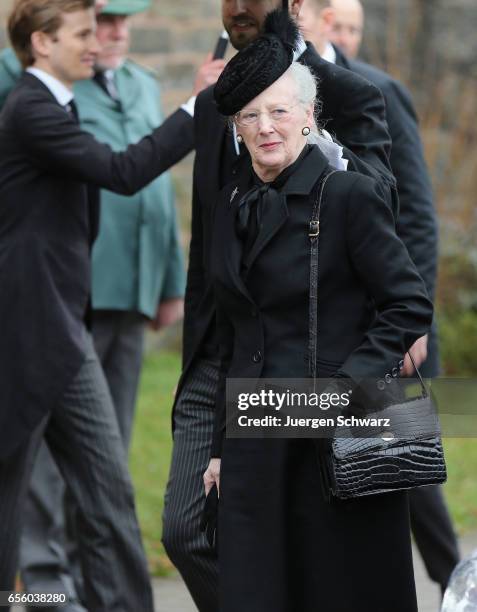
(314, 234)
(425, 392)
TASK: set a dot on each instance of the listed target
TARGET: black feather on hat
(258, 65)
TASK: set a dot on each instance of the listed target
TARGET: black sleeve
(360, 125)
(417, 223)
(387, 187)
(196, 280)
(57, 144)
(404, 311)
(225, 332)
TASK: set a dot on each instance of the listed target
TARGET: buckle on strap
(314, 229)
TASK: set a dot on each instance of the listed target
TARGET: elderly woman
(282, 547)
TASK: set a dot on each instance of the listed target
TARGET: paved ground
(172, 596)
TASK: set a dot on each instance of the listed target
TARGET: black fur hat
(258, 65)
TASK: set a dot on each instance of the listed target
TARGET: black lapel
(211, 132)
(341, 59)
(311, 58)
(273, 219)
(215, 148)
(232, 244)
(300, 183)
(31, 81)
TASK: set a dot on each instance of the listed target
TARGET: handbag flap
(412, 420)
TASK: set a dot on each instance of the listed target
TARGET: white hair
(306, 83)
(307, 86)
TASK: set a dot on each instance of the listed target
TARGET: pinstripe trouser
(83, 436)
(49, 557)
(184, 500)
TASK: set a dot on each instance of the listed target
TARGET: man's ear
(41, 44)
(328, 16)
(295, 7)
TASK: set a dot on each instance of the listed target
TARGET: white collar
(300, 48)
(329, 54)
(62, 94)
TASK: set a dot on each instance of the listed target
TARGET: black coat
(372, 302)
(49, 215)
(417, 221)
(353, 111)
(372, 305)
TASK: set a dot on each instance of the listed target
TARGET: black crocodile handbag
(407, 456)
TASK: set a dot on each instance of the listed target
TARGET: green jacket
(137, 257)
(10, 70)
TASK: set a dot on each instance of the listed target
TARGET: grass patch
(151, 452)
(461, 489)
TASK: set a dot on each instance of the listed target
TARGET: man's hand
(208, 73)
(168, 313)
(419, 353)
(212, 475)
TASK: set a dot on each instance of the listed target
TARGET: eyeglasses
(278, 114)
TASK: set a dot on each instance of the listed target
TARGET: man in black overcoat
(51, 381)
(352, 111)
(417, 227)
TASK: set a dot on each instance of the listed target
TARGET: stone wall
(423, 41)
(429, 44)
(418, 41)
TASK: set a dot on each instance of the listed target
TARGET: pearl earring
(306, 131)
(239, 139)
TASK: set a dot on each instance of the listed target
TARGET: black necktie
(254, 203)
(107, 85)
(72, 110)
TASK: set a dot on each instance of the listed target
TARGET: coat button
(401, 364)
(394, 372)
(388, 378)
(254, 312)
(257, 357)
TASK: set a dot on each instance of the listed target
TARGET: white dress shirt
(63, 95)
(329, 54)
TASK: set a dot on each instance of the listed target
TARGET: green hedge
(458, 343)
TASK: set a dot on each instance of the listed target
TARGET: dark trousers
(49, 556)
(83, 437)
(184, 500)
(119, 341)
(433, 532)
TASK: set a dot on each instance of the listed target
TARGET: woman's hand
(212, 475)
(419, 353)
